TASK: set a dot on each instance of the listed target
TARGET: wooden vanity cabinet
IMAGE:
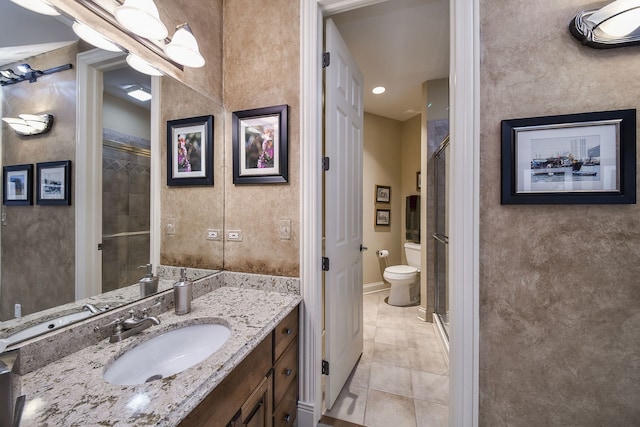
(285, 371)
(262, 391)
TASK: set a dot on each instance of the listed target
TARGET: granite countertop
(72, 392)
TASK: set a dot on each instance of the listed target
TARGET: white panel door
(343, 213)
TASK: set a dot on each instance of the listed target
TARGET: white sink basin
(167, 354)
(47, 326)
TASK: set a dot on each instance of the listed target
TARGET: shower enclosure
(441, 238)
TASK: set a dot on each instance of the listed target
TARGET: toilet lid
(401, 269)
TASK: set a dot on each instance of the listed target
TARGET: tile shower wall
(125, 210)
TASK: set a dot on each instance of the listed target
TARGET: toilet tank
(412, 252)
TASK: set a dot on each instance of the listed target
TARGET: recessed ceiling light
(378, 90)
(139, 93)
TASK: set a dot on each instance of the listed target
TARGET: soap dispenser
(149, 283)
(182, 293)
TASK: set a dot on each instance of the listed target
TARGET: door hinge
(325, 163)
(325, 367)
(326, 59)
(99, 246)
(325, 263)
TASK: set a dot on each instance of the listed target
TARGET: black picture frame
(585, 158)
(190, 151)
(383, 194)
(383, 217)
(17, 185)
(53, 183)
(260, 139)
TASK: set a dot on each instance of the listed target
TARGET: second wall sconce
(614, 25)
(30, 124)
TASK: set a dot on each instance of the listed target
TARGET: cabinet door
(256, 411)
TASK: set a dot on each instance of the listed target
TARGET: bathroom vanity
(250, 380)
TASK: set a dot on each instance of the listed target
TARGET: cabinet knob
(287, 418)
(287, 372)
(287, 331)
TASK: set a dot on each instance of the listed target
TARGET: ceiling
(398, 44)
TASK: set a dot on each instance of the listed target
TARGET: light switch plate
(285, 229)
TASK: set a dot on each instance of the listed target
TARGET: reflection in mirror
(38, 255)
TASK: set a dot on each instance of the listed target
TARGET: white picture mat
(260, 125)
(12, 177)
(52, 183)
(185, 130)
(540, 141)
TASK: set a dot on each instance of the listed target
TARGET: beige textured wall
(559, 293)
(382, 165)
(261, 69)
(192, 209)
(38, 247)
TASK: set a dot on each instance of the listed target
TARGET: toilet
(404, 278)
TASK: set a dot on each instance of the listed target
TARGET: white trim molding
(464, 77)
(311, 313)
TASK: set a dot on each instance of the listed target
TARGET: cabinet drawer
(285, 371)
(284, 333)
(285, 413)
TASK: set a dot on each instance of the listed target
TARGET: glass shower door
(441, 236)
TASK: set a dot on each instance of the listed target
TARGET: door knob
(363, 248)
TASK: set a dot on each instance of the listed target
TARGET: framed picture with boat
(584, 158)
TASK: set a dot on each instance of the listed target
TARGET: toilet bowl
(404, 278)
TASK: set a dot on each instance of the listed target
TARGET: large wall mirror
(54, 259)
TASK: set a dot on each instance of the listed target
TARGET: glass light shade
(141, 65)
(617, 19)
(183, 48)
(93, 37)
(39, 6)
(141, 17)
(30, 124)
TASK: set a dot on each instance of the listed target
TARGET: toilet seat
(399, 271)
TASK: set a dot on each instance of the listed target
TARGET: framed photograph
(53, 183)
(190, 151)
(383, 194)
(260, 145)
(17, 185)
(418, 183)
(570, 159)
(383, 216)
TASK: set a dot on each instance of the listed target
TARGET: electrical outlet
(285, 229)
(213, 234)
(234, 235)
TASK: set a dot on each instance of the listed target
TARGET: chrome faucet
(92, 308)
(124, 328)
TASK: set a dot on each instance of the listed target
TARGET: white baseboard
(305, 415)
(375, 287)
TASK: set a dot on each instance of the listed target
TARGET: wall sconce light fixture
(614, 25)
(30, 124)
(9, 77)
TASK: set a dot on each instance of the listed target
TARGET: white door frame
(465, 160)
(88, 203)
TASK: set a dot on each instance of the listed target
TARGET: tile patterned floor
(402, 379)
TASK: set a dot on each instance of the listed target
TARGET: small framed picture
(383, 216)
(383, 194)
(418, 182)
(53, 181)
(190, 151)
(17, 183)
(260, 145)
(570, 159)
